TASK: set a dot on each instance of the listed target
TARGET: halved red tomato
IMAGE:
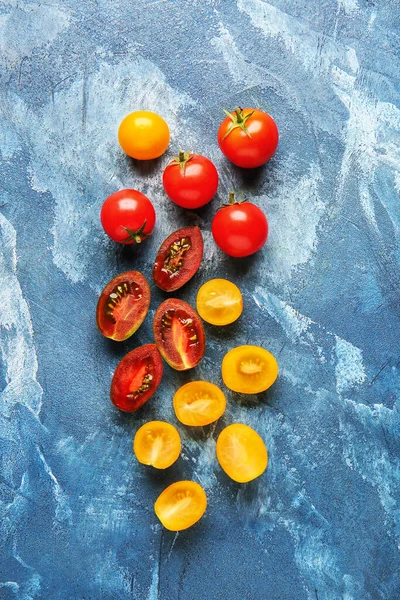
(136, 378)
(179, 334)
(178, 258)
(123, 305)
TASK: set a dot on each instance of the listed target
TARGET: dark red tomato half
(128, 216)
(179, 334)
(248, 137)
(190, 180)
(240, 228)
(136, 378)
(178, 258)
(123, 305)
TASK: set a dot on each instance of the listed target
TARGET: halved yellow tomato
(181, 505)
(158, 444)
(249, 369)
(241, 452)
(219, 302)
(199, 403)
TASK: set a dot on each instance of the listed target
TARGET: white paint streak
(63, 510)
(348, 6)
(349, 368)
(242, 71)
(16, 334)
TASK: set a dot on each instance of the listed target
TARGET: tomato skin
(141, 367)
(241, 452)
(179, 334)
(143, 135)
(167, 274)
(123, 305)
(249, 152)
(192, 185)
(240, 229)
(128, 209)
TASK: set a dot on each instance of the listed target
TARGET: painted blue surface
(76, 508)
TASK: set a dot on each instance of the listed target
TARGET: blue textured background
(322, 523)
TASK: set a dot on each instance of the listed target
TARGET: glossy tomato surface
(178, 258)
(240, 229)
(248, 137)
(241, 452)
(143, 135)
(219, 302)
(136, 378)
(199, 403)
(123, 305)
(181, 505)
(157, 444)
(249, 369)
(128, 216)
(179, 334)
(190, 180)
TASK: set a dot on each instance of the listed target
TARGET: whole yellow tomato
(143, 135)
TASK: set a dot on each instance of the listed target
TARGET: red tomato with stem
(248, 137)
(128, 216)
(190, 180)
(240, 228)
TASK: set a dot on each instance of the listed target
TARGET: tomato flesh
(179, 334)
(219, 302)
(123, 305)
(157, 444)
(190, 180)
(240, 229)
(136, 378)
(178, 258)
(241, 452)
(181, 505)
(199, 403)
(249, 369)
(143, 135)
(251, 145)
(128, 216)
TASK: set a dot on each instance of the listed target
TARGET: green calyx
(239, 120)
(181, 159)
(136, 236)
(232, 200)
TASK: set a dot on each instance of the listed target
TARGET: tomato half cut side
(199, 403)
(136, 378)
(241, 452)
(181, 505)
(179, 334)
(123, 306)
(178, 258)
(158, 444)
(249, 369)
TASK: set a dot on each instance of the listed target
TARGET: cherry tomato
(136, 378)
(143, 135)
(240, 228)
(249, 369)
(128, 216)
(248, 137)
(241, 452)
(123, 306)
(179, 334)
(199, 403)
(158, 444)
(178, 258)
(190, 180)
(181, 505)
(219, 302)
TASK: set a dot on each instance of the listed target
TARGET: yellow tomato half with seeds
(249, 369)
(181, 505)
(143, 135)
(241, 453)
(199, 403)
(158, 444)
(219, 302)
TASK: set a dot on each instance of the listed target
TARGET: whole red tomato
(128, 216)
(240, 228)
(190, 180)
(248, 137)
